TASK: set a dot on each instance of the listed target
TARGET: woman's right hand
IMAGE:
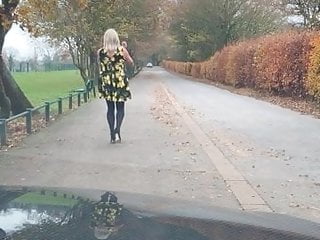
(127, 56)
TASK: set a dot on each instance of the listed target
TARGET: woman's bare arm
(127, 56)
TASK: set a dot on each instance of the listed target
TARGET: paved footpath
(182, 140)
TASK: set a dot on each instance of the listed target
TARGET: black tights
(111, 115)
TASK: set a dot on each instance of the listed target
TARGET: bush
(195, 70)
(220, 71)
(241, 65)
(285, 64)
(313, 81)
(233, 66)
(281, 63)
(211, 68)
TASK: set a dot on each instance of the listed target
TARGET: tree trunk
(83, 74)
(11, 96)
(78, 57)
(19, 102)
(97, 72)
(5, 106)
(93, 65)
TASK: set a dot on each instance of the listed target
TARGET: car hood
(73, 213)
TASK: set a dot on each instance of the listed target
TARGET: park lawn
(46, 86)
(48, 199)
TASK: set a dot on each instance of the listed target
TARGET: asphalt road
(182, 140)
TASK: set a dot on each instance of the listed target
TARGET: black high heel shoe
(113, 137)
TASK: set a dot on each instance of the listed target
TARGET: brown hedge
(313, 79)
(286, 64)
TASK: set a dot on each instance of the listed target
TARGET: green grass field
(48, 199)
(45, 86)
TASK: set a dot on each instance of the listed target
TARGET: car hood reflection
(50, 214)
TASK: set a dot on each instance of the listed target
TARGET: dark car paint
(148, 217)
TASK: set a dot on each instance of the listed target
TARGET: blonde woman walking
(113, 83)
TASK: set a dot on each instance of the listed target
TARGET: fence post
(47, 110)
(85, 96)
(29, 121)
(70, 101)
(94, 91)
(88, 93)
(3, 132)
(60, 106)
(79, 99)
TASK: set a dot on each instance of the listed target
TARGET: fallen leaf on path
(294, 205)
(287, 159)
(306, 175)
(314, 208)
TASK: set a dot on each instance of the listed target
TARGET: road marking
(248, 198)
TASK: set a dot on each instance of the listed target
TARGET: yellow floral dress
(113, 83)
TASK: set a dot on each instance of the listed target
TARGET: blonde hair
(111, 40)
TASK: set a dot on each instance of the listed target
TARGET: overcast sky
(23, 44)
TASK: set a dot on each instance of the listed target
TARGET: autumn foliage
(313, 78)
(286, 64)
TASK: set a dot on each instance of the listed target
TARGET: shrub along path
(286, 64)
